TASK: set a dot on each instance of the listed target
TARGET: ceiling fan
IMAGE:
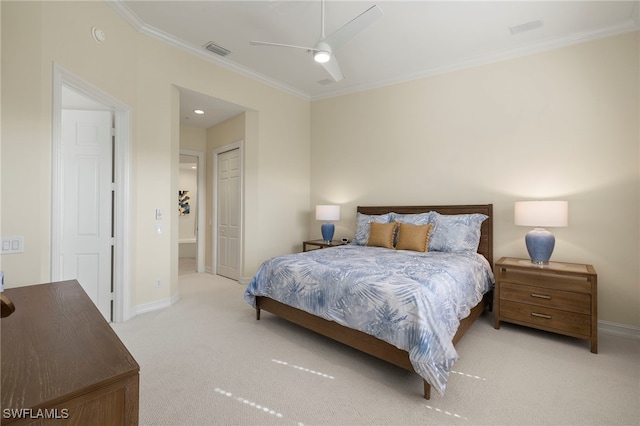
(324, 49)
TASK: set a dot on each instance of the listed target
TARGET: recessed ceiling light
(198, 111)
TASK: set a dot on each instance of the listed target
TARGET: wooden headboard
(485, 247)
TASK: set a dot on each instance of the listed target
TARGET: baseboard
(242, 280)
(617, 329)
(158, 304)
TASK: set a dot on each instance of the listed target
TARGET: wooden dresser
(62, 363)
(559, 297)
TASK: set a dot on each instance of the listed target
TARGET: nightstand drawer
(557, 299)
(572, 323)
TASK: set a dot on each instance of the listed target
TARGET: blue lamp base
(540, 244)
(327, 231)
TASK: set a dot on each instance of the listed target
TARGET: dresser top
(57, 344)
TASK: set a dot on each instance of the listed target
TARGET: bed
(403, 322)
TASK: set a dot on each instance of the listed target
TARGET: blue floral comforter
(411, 300)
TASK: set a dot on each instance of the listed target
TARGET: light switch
(158, 214)
(12, 245)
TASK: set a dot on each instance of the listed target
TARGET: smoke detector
(98, 34)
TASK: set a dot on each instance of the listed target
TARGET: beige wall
(193, 138)
(272, 183)
(555, 125)
(142, 73)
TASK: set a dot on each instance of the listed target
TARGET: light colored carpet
(206, 360)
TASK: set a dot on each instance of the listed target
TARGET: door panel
(228, 214)
(86, 146)
(88, 271)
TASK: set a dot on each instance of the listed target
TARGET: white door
(228, 214)
(86, 246)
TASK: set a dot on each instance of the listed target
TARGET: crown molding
(632, 24)
(140, 26)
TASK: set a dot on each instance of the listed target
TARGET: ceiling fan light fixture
(321, 56)
(324, 48)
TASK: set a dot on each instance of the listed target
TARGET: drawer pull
(541, 296)
(534, 314)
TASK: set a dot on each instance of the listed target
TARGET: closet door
(228, 213)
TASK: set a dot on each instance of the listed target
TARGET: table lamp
(540, 214)
(327, 213)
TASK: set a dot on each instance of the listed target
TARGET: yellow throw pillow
(381, 234)
(413, 237)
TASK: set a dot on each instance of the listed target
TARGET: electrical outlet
(158, 283)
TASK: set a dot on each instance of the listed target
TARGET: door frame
(201, 205)
(123, 308)
(214, 213)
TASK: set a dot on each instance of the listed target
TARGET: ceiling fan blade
(345, 33)
(333, 69)
(265, 43)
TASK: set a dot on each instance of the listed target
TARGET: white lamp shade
(541, 213)
(327, 212)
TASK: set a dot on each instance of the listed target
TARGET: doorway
(191, 216)
(90, 223)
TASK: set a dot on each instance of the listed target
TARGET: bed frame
(372, 345)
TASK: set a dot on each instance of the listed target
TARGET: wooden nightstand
(559, 297)
(320, 244)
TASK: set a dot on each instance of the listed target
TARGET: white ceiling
(412, 39)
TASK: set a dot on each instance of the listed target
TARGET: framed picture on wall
(183, 203)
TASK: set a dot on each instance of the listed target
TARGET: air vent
(218, 50)
(527, 26)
